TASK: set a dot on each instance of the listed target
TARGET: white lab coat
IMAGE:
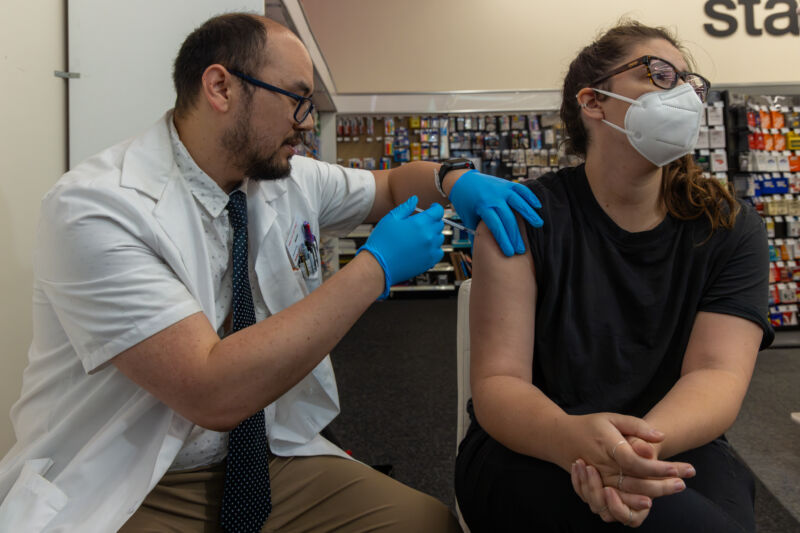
(91, 443)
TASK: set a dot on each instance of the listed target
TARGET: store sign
(779, 18)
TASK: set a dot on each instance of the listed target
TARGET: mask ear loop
(618, 97)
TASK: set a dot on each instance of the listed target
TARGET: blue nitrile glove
(476, 196)
(406, 245)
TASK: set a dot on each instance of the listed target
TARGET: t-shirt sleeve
(107, 286)
(342, 196)
(537, 237)
(741, 286)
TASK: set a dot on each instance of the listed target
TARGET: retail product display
(511, 146)
(712, 142)
(766, 156)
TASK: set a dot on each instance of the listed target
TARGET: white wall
(386, 46)
(32, 157)
(126, 69)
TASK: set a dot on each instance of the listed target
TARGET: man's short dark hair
(235, 40)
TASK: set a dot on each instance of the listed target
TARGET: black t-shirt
(615, 309)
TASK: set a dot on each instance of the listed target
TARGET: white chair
(462, 352)
(462, 372)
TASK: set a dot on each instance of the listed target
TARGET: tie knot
(237, 209)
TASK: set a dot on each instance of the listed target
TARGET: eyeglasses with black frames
(304, 104)
(663, 75)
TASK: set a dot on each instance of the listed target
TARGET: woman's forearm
(522, 418)
(701, 406)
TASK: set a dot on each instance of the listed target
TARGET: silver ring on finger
(619, 482)
(630, 517)
(614, 449)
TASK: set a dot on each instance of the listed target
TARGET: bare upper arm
(383, 197)
(723, 342)
(171, 365)
(502, 310)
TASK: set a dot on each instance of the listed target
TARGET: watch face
(459, 163)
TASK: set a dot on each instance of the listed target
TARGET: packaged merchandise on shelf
(514, 146)
(388, 126)
(760, 135)
(444, 138)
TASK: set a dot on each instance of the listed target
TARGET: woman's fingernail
(679, 485)
(689, 472)
(646, 503)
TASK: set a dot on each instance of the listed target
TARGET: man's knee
(417, 511)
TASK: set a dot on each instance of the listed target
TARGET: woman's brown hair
(687, 195)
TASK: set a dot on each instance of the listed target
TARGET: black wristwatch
(447, 166)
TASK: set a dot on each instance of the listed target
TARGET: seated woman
(608, 361)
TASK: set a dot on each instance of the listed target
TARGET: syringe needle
(451, 223)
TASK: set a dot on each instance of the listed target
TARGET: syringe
(451, 223)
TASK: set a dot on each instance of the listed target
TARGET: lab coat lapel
(149, 167)
(279, 283)
(179, 217)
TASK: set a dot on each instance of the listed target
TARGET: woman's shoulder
(747, 231)
(555, 186)
(557, 191)
(747, 220)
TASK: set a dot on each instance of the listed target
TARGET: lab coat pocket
(33, 501)
(301, 282)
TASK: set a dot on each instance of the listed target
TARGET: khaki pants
(322, 493)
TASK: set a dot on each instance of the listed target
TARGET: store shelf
(423, 288)
(768, 176)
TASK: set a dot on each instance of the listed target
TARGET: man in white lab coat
(138, 374)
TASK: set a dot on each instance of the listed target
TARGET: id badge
(294, 242)
(302, 247)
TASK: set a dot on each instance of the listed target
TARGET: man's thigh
(182, 502)
(320, 493)
(327, 493)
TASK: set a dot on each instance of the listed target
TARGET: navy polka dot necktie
(246, 501)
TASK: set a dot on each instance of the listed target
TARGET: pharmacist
(178, 376)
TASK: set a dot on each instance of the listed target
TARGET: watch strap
(447, 166)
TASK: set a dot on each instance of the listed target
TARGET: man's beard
(239, 141)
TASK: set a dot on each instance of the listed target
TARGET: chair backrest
(462, 355)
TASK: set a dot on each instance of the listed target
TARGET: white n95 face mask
(662, 125)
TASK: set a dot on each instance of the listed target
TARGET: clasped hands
(617, 471)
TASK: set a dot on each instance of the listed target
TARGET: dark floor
(396, 375)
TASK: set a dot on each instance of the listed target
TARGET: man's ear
(216, 85)
(590, 105)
